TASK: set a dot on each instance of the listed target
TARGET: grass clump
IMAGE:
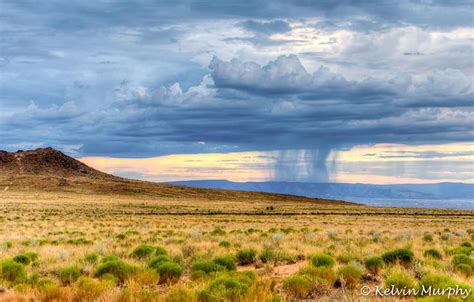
(169, 271)
(91, 258)
(464, 269)
(22, 258)
(205, 267)
(143, 251)
(323, 276)
(462, 259)
(157, 260)
(432, 253)
(246, 256)
(349, 275)
(69, 275)
(403, 256)
(225, 261)
(116, 268)
(427, 237)
(443, 282)
(12, 271)
(322, 260)
(233, 287)
(298, 286)
(399, 280)
(224, 244)
(374, 264)
(213, 266)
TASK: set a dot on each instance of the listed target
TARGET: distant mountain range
(440, 195)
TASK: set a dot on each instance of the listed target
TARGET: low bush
(157, 260)
(269, 254)
(464, 269)
(432, 253)
(349, 275)
(23, 259)
(143, 251)
(403, 256)
(12, 271)
(322, 260)
(443, 282)
(427, 237)
(116, 268)
(160, 251)
(110, 258)
(459, 250)
(91, 258)
(246, 256)
(169, 271)
(225, 261)
(224, 289)
(462, 259)
(320, 276)
(205, 267)
(400, 280)
(69, 275)
(374, 264)
(88, 289)
(298, 286)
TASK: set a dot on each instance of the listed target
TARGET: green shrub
(443, 282)
(462, 259)
(69, 275)
(323, 275)
(403, 256)
(227, 262)
(399, 280)
(464, 269)
(117, 268)
(32, 255)
(225, 288)
(143, 251)
(246, 256)
(224, 243)
(322, 260)
(298, 287)
(466, 244)
(157, 260)
(91, 258)
(374, 264)
(459, 250)
(169, 271)
(432, 253)
(206, 267)
(349, 275)
(160, 251)
(23, 259)
(110, 258)
(427, 237)
(12, 271)
(217, 232)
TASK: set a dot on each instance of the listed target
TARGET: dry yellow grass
(69, 222)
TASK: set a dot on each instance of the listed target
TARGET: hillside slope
(49, 170)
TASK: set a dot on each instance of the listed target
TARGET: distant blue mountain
(440, 195)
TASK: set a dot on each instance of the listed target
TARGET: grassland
(72, 245)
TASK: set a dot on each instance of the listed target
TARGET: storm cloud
(115, 78)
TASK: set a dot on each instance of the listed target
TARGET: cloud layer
(152, 78)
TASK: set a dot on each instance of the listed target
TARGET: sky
(338, 91)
